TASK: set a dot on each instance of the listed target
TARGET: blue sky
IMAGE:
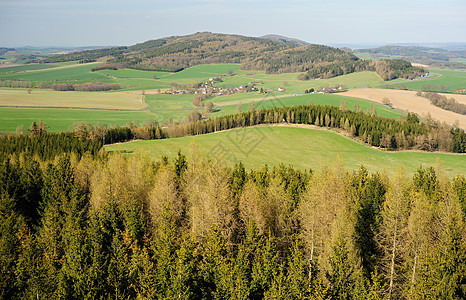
(126, 22)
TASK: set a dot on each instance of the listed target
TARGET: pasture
(80, 73)
(32, 67)
(294, 86)
(201, 73)
(302, 148)
(74, 72)
(315, 99)
(144, 80)
(163, 106)
(62, 119)
(453, 79)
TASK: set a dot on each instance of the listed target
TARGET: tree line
(82, 137)
(88, 86)
(387, 69)
(192, 228)
(443, 102)
(407, 133)
(94, 86)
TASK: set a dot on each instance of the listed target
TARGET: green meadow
(80, 73)
(62, 119)
(453, 79)
(33, 67)
(75, 72)
(300, 147)
(136, 79)
(201, 73)
(294, 86)
(160, 106)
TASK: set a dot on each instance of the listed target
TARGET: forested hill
(273, 56)
(425, 55)
(284, 39)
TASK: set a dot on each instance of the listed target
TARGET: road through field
(408, 101)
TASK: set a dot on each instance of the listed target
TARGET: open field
(408, 101)
(177, 107)
(135, 79)
(316, 99)
(453, 79)
(135, 74)
(66, 72)
(51, 98)
(301, 147)
(62, 119)
(294, 86)
(32, 67)
(80, 73)
(161, 107)
(201, 73)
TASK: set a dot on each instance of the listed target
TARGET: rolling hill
(435, 57)
(284, 39)
(272, 54)
(301, 147)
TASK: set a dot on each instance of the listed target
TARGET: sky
(71, 23)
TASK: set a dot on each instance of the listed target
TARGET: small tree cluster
(444, 103)
(88, 86)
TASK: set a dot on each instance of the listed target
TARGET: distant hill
(425, 55)
(273, 55)
(284, 39)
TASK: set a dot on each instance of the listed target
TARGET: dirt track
(408, 101)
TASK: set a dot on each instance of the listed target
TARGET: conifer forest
(85, 224)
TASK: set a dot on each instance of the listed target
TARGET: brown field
(420, 65)
(49, 98)
(408, 101)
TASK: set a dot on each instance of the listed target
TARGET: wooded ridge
(271, 55)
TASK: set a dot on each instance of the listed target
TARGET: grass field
(292, 85)
(143, 80)
(135, 74)
(316, 99)
(201, 73)
(161, 107)
(81, 72)
(51, 98)
(453, 79)
(33, 67)
(301, 147)
(62, 119)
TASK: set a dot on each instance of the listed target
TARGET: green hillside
(435, 57)
(450, 81)
(270, 55)
(301, 147)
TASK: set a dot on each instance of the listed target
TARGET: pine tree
(341, 275)
(10, 228)
(369, 193)
(394, 232)
(265, 267)
(209, 199)
(325, 215)
(297, 279)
